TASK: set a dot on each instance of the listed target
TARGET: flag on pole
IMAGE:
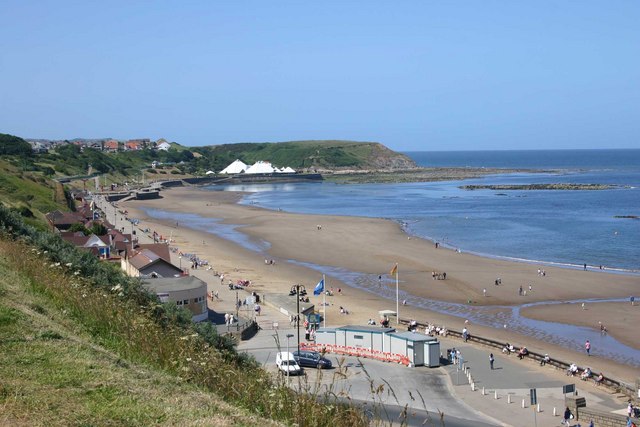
(319, 287)
(394, 270)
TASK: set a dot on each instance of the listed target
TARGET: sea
(551, 227)
(566, 228)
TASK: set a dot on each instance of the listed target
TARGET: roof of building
(160, 249)
(143, 258)
(169, 284)
(412, 336)
(365, 328)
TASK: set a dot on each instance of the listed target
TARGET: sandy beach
(617, 318)
(371, 247)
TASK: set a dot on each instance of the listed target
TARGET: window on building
(358, 337)
(185, 302)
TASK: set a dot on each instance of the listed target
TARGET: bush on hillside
(11, 145)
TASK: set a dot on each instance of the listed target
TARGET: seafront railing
(619, 386)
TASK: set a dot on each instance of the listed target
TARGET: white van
(287, 364)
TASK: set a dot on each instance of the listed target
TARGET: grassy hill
(322, 155)
(53, 372)
(77, 333)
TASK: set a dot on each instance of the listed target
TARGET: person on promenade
(545, 360)
(567, 416)
(587, 347)
(598, 380)
(491, 360)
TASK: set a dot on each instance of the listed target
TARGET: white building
(164, 146)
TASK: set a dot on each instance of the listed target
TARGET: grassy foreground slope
(52, 372)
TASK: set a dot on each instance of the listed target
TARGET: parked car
(287, 364)
(311, 359)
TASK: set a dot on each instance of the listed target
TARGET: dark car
(311, 359)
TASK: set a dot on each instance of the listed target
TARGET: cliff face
(386, 159)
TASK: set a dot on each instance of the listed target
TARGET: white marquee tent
(260, 167)
(236, 167)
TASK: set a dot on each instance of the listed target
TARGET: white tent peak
(236, 167)
(260, 167)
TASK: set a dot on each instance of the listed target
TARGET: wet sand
(619, 318)
(372, 247)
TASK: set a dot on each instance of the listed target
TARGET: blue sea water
(550, 226)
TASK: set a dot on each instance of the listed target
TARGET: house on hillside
(98, 245)
(132, 145)
(164, 146)
(149, 264)
(63, 220)
(188, 292)
(110, 145)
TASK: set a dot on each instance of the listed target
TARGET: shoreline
(339, 244)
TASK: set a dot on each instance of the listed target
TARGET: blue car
(311, 359)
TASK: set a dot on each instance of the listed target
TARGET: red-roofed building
(111, 145)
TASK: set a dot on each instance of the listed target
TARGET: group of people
(438, 276)
(229, 319)
(432, 330)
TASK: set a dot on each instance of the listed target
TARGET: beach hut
(236, 167)
(419, 349)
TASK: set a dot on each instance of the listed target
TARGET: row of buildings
(150, 262)
(107, 145)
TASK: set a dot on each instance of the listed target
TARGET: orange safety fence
(358, 352)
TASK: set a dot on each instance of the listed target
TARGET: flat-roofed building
(188, 292)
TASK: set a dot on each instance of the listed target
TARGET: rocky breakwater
(564, 186)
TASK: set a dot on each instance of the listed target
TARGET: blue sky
(413, 75)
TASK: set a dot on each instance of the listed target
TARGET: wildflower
(188, 359)
(68, 264)
(76, 273)
(84, 295)
(57, 264)
(186, 337)
(120, 294)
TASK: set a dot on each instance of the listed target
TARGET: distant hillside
(308, 155)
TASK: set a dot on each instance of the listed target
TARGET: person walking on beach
(491, 360)
(520, 290)
(587, 347)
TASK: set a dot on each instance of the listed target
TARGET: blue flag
(319, 288)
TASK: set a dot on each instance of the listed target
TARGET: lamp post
(180, 259)
(238, 305)
(298, 314)
(288, 361)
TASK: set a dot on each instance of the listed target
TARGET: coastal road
(422, 389)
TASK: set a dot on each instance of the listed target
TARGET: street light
(180, 258)
(288, 361)
(298, 314)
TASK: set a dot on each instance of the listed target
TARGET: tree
(14, 146)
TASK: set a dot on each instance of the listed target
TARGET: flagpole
(324, 302)
(397, 298)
